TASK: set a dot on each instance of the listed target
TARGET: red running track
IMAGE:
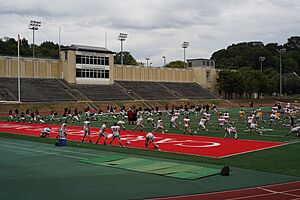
(183, 144)
(283, 191)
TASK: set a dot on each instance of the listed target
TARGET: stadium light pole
(281, 51)
(122, 37)
(147, 61)
(184, 46)
(34, 26)
(164, 57)
(261, 59)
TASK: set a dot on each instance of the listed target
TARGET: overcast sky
(155, 28)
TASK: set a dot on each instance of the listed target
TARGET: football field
(33, 168)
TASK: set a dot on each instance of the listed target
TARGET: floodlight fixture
(122, 37)
(147, 61)
(164, 57)
(184, 46)
(34, 26)
(261, 59)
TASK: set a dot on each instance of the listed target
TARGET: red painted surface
(182, 144)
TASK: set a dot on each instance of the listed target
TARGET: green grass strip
(130, 160)
(154, 166)
(103, 159)
(169, 169)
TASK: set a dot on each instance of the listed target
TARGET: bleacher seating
(102, 92)
(37, 90)
(190, 90)
(148, 90)
(51, 90)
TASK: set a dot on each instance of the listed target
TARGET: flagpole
(19, 84)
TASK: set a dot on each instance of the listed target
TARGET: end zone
(181, 144)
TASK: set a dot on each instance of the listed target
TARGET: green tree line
(9, 47)
(246, 54)
(241, 73)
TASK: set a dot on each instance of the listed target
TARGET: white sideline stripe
(262, 195)
(226, 191)
(280, 145)
(63, 150)
(283, 192)
(241, 153)
(47, 153)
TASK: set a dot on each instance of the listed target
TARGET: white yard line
(43, 152)
(54, 149)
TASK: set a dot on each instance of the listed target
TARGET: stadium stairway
(148, 90)
(180, 96)
(190, 90)
(7, 95)
(130, 92)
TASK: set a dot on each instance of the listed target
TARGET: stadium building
(86, 67)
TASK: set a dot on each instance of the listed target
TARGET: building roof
(88, 48)
(192, 59)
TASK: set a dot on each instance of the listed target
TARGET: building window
(106, 74)
(92, 73)
(78, 59)
(203, 63)
(92, 60)
(66, 55)
(106, 61)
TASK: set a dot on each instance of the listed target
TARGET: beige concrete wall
(206, 77)
(68, 66)
(137, 73)
(50, 68)
(29, 68)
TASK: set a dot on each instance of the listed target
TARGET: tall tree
(128, 59)
(175, 64)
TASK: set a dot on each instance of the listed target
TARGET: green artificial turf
(281, 160)
(182, 171)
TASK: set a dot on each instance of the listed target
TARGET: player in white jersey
(102, 133)
(46, 132)
(275, 109)
(207, 117)
(121, 124)
(231, 130)
(226, 116)
(253, 126)
(221, 122)
(159, 125)
(62, 131)
(115, 134)
(295, 130)
(87, 131)
(61, 137)
(139, 124)
(273, 119)
(150, 139)
(250, 119)
(202, 124)
(173, 121)
(150, 120)
(187, 125)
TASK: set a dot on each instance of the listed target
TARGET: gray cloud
(155, 27)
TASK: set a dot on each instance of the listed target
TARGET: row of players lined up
(76, 115)
(223, 118)
(62, 135)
